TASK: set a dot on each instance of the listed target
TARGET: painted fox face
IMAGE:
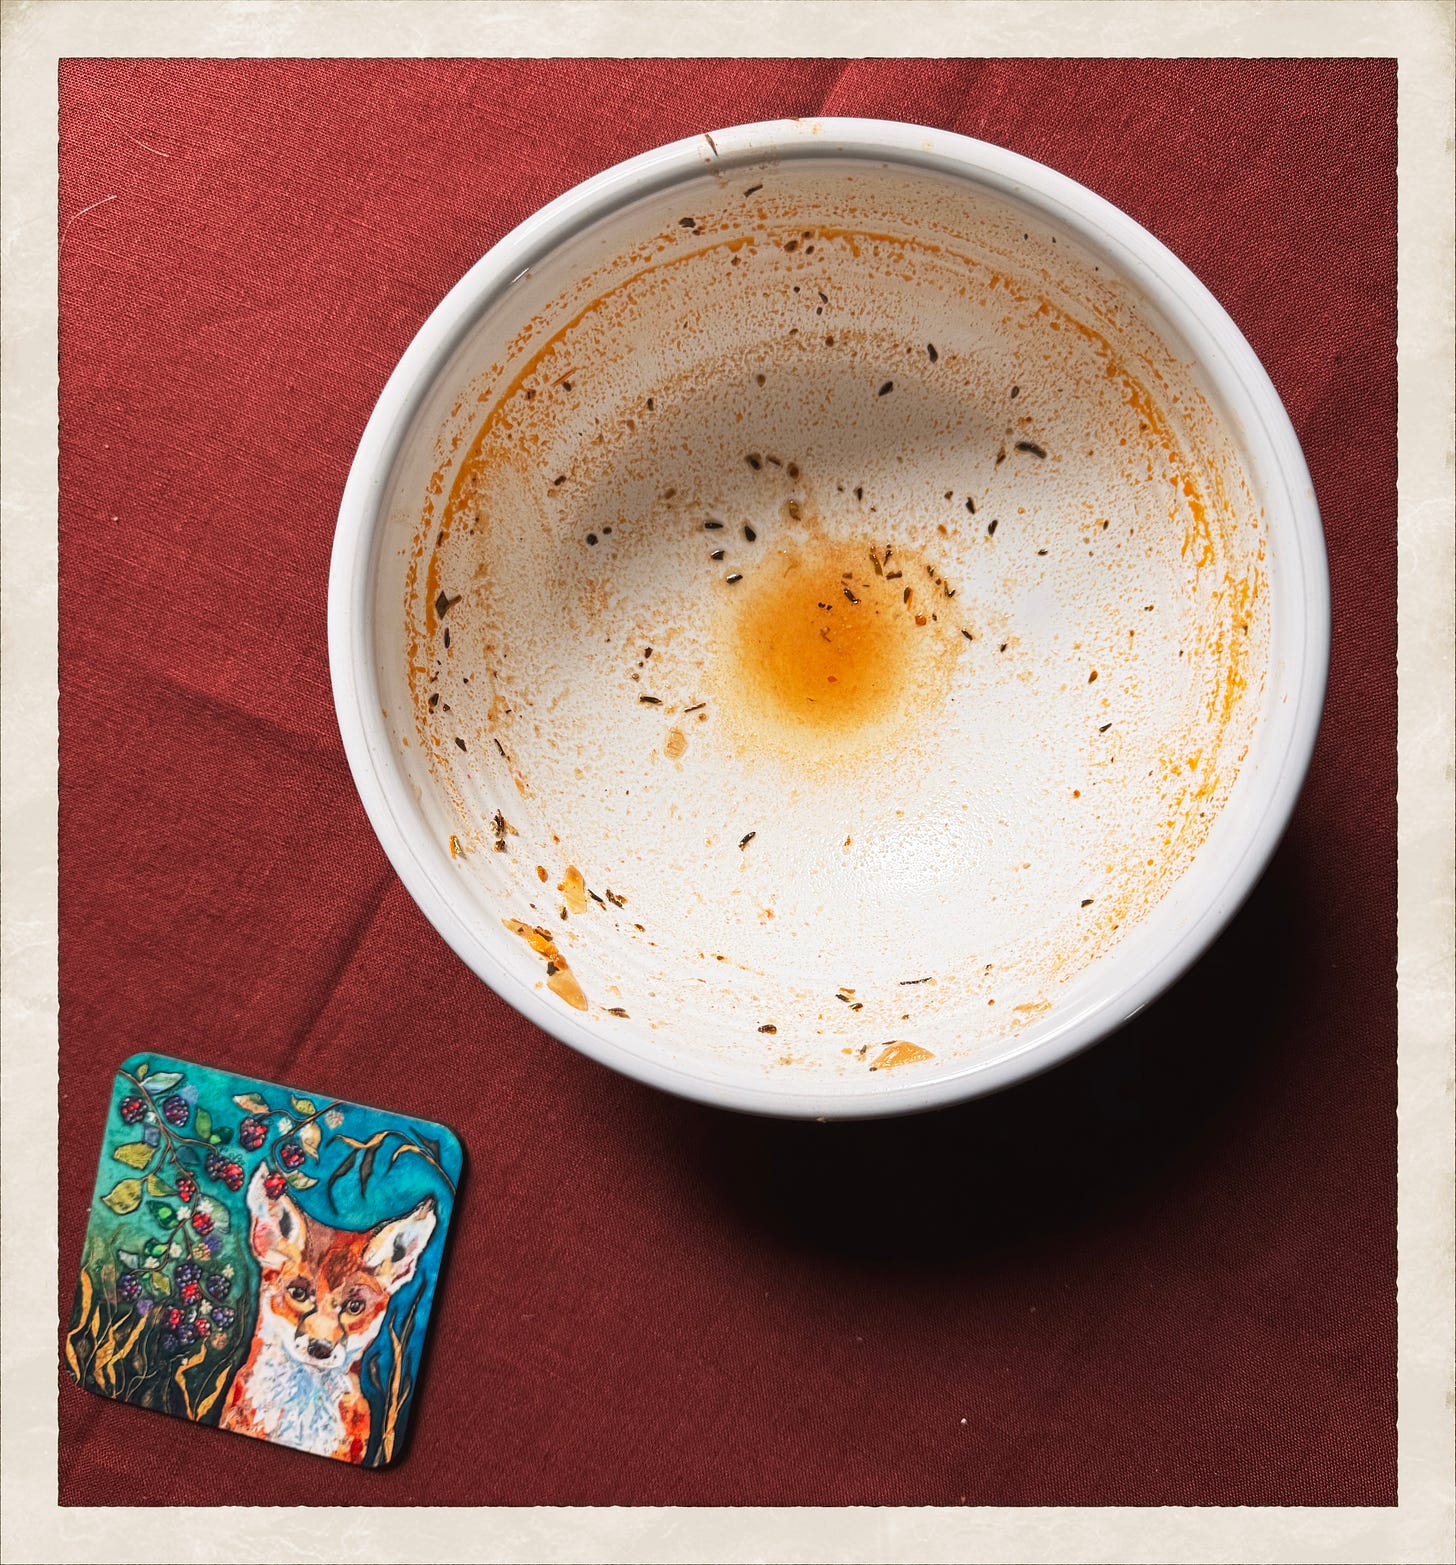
(325, 1290)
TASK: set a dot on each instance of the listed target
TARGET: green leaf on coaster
(125, 1197)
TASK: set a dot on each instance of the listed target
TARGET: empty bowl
(829, 618)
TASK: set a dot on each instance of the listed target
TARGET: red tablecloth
(1164, 1274)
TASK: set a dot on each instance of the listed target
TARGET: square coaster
(262, 1259)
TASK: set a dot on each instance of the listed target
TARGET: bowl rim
(1227, 360)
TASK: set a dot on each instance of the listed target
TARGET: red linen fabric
(1163, 1274)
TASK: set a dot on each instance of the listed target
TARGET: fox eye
(298, 1291)
(353, 1306)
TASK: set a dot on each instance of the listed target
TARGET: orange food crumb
(899, 1053)
(573, 889)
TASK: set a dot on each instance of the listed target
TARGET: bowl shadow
(1079, 1147)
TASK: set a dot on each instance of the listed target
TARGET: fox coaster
(261, 1259)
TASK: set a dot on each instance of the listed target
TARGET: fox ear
(394, 1248)
(278, 1229)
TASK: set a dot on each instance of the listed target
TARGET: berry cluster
(220, 1166)
(198, 1313)
(290, 1154)
(252, 1133)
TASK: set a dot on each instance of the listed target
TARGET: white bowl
(823, 820)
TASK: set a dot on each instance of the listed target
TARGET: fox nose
(319, 1350)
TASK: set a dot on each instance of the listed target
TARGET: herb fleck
(1030, 447)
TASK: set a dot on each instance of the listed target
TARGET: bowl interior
(826, 627)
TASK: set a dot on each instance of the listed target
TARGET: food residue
(573, 889)
(559, 979)
(899, 1053)
(824, 643)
